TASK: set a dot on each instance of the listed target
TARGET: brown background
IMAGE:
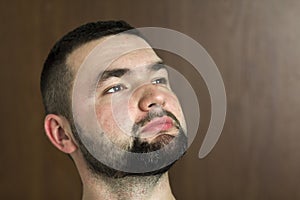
(255, 44)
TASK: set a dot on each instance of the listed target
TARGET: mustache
(150, 116)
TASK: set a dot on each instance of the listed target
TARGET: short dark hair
(57, 77)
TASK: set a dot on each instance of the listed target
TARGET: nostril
(152, 104)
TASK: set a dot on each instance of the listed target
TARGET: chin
(166, 148)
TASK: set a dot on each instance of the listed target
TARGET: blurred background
(255, 44)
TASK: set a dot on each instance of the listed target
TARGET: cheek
(104, 117)
(174, 106)
(177, 105)
(113, 119)
(133, 112)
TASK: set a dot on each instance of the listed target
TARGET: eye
(160, 81)
(114, 89)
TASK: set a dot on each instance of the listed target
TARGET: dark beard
(175, 147)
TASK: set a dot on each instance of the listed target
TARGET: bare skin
(59, 132)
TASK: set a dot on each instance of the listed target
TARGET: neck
(131, 188)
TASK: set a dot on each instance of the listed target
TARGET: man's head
(134, 105)
(57, 77)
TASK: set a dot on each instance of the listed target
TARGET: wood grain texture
(256, 46)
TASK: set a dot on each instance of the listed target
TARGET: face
(134, 105)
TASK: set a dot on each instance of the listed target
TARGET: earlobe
(58, 131)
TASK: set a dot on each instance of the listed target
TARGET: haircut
(57, 78)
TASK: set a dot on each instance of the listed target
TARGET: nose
(151, 97)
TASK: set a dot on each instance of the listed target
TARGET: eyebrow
(107, 74)
(113, 73)
(157, 66)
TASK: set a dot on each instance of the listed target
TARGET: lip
(156, 126)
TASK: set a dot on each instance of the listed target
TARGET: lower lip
(155, 128)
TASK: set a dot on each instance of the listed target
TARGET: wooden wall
(255, 44)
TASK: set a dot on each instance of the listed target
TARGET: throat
(134, 187)
(129, 188)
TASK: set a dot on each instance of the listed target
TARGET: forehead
(114, 49)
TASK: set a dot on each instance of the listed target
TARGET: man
(140, 128)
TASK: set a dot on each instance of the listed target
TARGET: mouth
(157, 126)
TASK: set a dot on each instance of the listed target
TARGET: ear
(59, 133)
